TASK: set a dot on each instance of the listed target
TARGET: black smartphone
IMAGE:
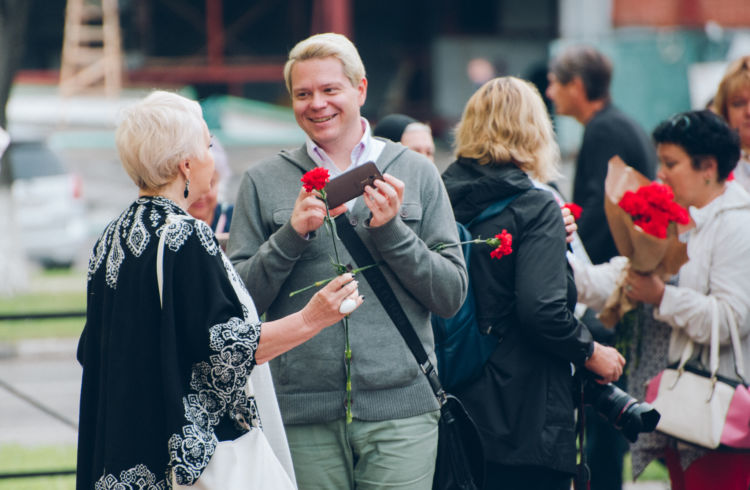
(351, 184)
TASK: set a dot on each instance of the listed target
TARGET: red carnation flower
(652, 208)
(315, 179)
(503, 242)
(574, 208)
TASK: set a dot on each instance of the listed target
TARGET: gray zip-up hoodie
(274, 260)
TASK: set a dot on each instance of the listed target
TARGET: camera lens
(623, 411)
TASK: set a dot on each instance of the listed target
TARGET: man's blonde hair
(156, 134)
(325, 46)
(505, 121)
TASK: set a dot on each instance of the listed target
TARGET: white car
(48, 203)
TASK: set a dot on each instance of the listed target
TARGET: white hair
(417, 126)
(156, 134)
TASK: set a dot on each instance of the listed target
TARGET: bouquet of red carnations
(643, 219)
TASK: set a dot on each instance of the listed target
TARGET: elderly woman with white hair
(171, 334)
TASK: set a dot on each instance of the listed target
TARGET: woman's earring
(187, 188)
(708, 181)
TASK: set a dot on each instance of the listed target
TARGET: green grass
(52, 291)
(17, 459)
(655, 471)
(11, 331)
(43, 301)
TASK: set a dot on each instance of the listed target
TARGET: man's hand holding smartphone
(384, 198)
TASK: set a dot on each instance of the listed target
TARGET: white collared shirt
(367, 150)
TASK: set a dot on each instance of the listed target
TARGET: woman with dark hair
(523, 400)
(697, 151)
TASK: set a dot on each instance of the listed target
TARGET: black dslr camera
(624, 412)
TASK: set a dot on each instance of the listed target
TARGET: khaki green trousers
(389, 454)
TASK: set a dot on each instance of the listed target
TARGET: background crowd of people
(166, 355)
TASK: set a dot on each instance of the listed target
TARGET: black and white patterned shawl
(161, 385)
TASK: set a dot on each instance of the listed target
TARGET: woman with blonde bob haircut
(732, 102)
(171, 333)
(506, 121)
(522, 401)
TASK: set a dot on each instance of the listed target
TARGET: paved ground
(39, 389)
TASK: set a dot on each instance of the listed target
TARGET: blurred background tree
(14, 16)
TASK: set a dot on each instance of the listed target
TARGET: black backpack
(460, 347)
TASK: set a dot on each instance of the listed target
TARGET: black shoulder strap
(379, 284)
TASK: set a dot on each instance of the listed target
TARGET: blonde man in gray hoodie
(277, 247)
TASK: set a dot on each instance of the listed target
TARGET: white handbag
(694, 404)
(248, 462)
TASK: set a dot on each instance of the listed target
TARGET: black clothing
(523, 401)
(502, 477)
(609, 132)
(161, 385)
(392, 126)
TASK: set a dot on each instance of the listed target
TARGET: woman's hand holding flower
(323, 308)
(384, 200)
(569, 219)
(647, 288)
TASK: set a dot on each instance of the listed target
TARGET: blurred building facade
(424, 57)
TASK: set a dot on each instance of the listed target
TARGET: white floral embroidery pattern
(138, 236)
(136, 478)
(100, 250)
(155, 217)
(177, 232)
(206, 236)
(219, 390)
(114, 259)
(131, 228)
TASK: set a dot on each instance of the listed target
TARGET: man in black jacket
(579, 87)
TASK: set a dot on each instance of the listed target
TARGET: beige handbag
(248, 462)
(697, 406)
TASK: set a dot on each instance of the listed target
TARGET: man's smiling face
(325, 103)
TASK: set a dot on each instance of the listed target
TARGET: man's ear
(362, 91)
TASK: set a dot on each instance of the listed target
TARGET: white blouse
(718, 272)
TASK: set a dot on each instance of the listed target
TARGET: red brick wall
(686, 13)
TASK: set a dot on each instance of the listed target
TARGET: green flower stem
(435, 248)
(348, 363)
(340, 269)
(323, 282)
(493, 242)
(332, 229)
